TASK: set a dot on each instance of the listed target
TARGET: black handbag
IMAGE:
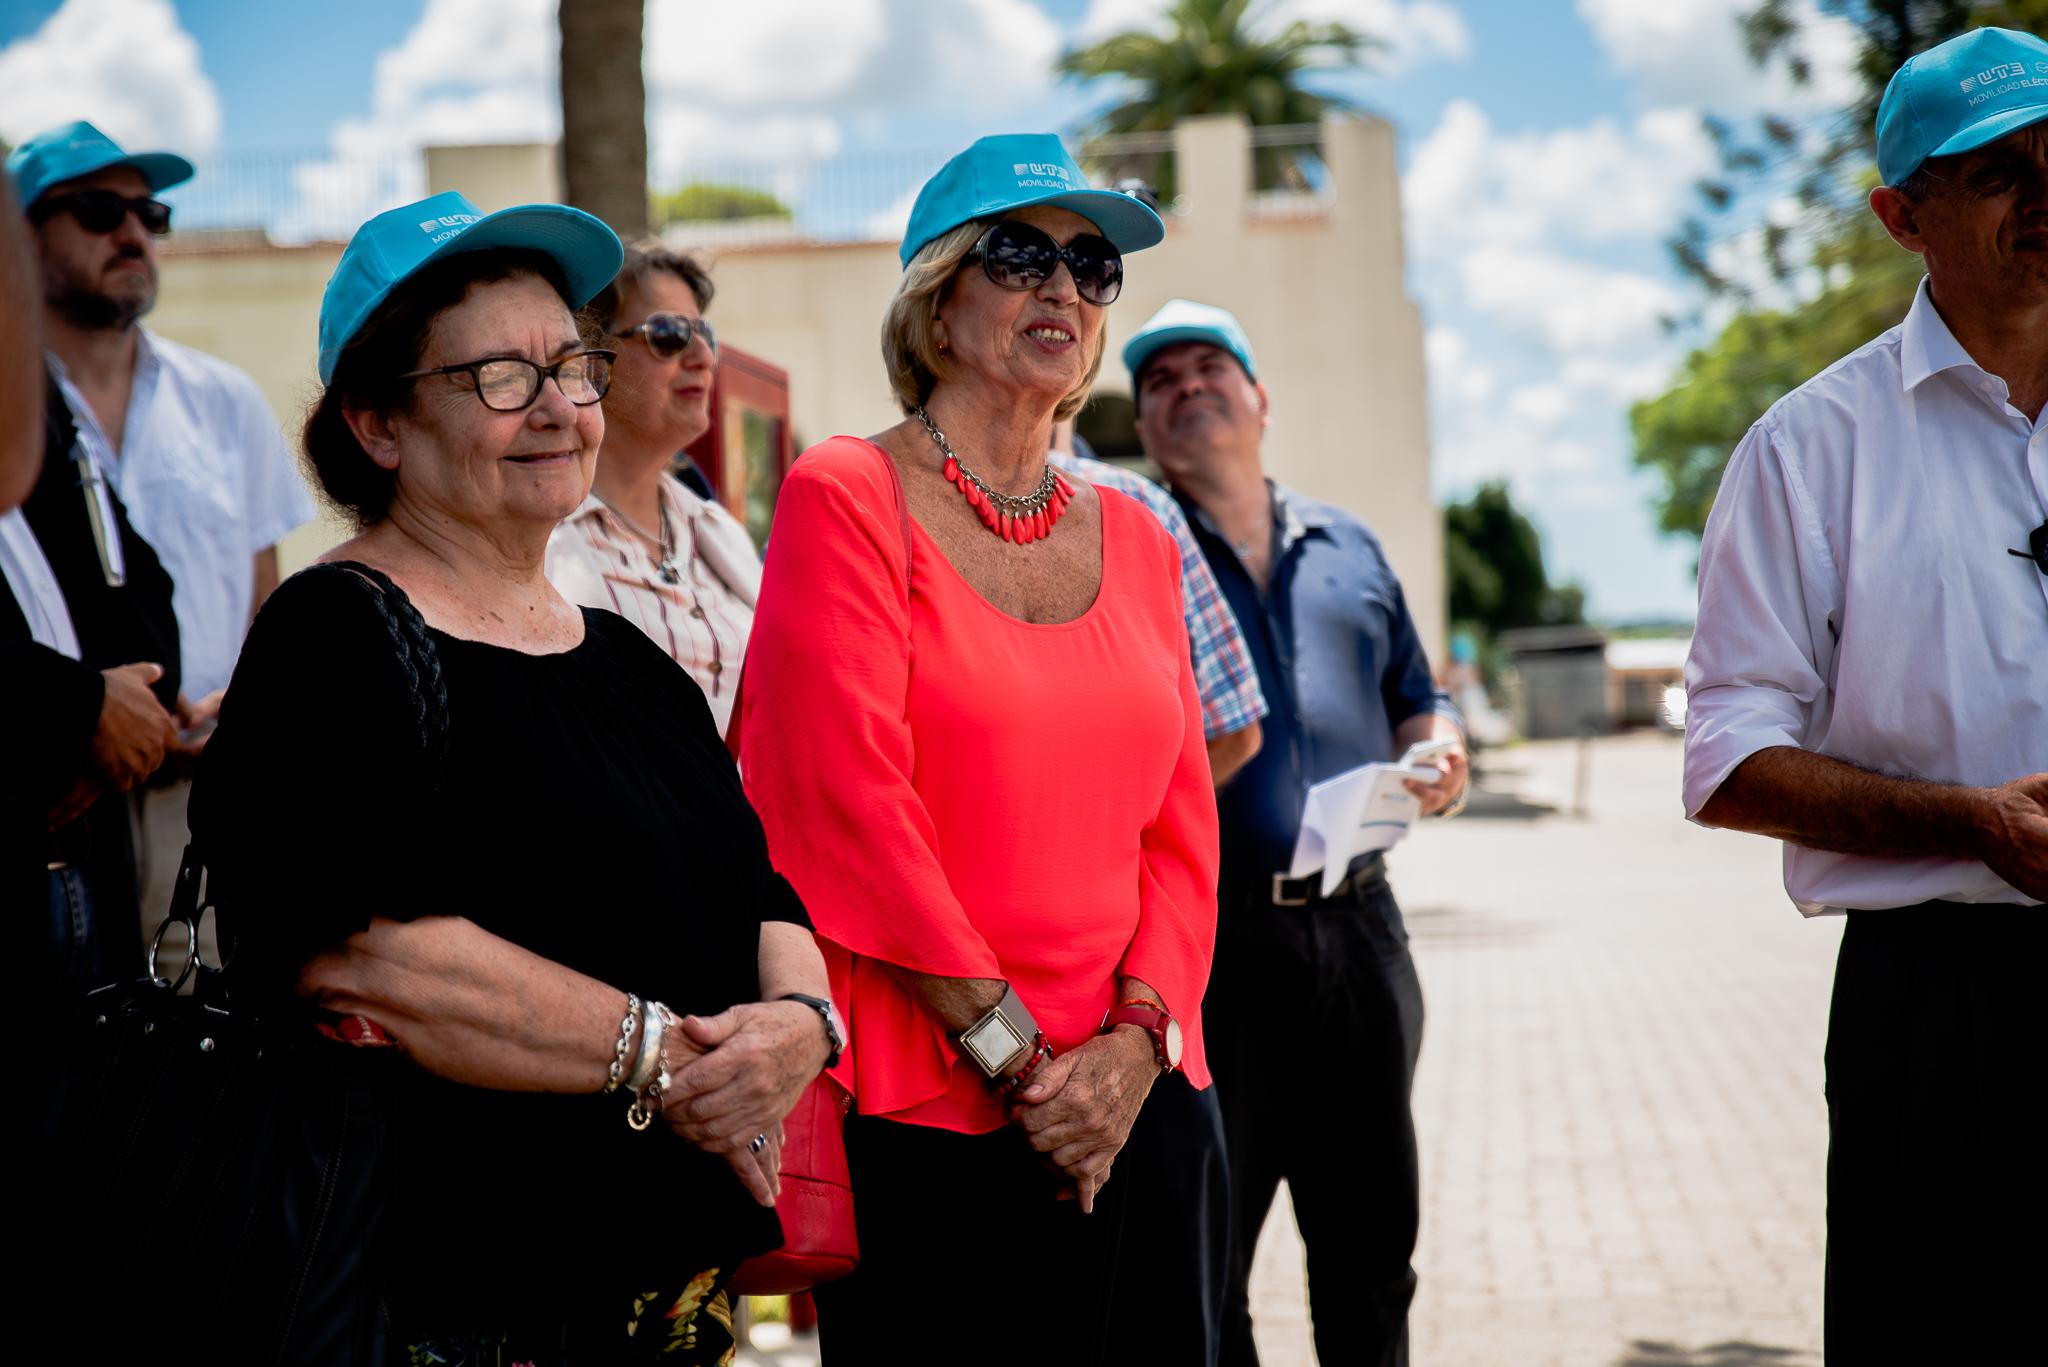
(224, 1165)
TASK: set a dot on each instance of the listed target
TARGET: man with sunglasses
(1869, 684)
(1314, 1011)
(186, 440)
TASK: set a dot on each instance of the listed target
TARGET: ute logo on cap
(454, 223)
(1994, 75)
(1047, 175)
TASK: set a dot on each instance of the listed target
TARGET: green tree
(1866, 281)
(703, 200)
(1214, 57)
(1687, 433)
(1493, 560)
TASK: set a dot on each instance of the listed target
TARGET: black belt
(1300, 892)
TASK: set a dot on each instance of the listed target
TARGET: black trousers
(1314, 1023)
(1176, 1250)
(1937, 1201)
(965, 1255)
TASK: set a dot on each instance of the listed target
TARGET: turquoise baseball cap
(78, 149)
(1184, 320)
(1959, 95)
(1010, 170)
(397, 244)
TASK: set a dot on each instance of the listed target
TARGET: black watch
(835, 1029)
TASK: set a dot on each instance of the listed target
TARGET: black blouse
(586, 810)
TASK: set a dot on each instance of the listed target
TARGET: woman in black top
(489, 893)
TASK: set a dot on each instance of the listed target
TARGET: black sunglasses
(1018, 256)
(670, 334)
(506, 384)
(2037, 548)
(102, 211)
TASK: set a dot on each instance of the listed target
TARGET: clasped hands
(1079, 1107)
(746, 1068)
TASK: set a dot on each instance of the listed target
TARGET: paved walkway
(1623, 1133)
(1622, 1127)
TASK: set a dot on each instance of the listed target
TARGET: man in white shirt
(1869, 684)
(186, 440)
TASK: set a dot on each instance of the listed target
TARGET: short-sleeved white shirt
(208, 482)
(1856, 598)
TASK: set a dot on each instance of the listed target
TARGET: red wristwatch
(1155, 1021)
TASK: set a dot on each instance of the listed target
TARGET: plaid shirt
(1224, 675)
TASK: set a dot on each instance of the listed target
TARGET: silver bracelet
(651, 1040)
(648, 1103)
(617, 1072)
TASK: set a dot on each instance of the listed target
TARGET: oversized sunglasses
(1018, 256)
(507, 384)
(670, 334)
(102, 211)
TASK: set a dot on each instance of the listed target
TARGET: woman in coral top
(970, 727)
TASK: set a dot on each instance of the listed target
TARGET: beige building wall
(1319, 286)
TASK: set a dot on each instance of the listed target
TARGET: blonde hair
(910, 341)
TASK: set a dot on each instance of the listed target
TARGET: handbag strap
(413, 644)
(426, 706)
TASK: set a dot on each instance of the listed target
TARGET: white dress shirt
(1856, 598)
(27, 572)
(704, 619)
(208, 483)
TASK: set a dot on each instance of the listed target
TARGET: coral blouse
(961, 793)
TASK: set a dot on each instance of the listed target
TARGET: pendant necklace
(1017, 518)
(667, 540)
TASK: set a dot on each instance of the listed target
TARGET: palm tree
(604, 112)
(1213, 60)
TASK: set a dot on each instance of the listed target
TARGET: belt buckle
(1280, 897)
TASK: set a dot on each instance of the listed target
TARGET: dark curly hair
(389, 344)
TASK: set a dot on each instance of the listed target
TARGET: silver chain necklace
(1012, 505)
(667, 540)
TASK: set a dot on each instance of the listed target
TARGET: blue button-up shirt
(1338, 659)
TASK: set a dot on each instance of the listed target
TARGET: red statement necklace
(1018, 518)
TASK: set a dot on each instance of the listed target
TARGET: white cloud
(127, 65)
(1598, 182)
(1568, 304)
(756, 91)
(1540, 405)
(1413, 31)
(1690, 52)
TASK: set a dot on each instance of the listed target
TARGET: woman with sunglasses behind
(558, 903)
(972, 732)
(679, 567)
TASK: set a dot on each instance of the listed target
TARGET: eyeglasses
(2037, 548)
(1018, 256)
(507, 384)
(670, 334)
(103, 211)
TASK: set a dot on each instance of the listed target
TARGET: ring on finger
(760, 1142)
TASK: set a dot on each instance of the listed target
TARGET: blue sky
(1548, 147)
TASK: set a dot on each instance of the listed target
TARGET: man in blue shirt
(1314, 1013)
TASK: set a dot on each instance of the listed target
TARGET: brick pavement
(1622, 1127)
(1623, 1133)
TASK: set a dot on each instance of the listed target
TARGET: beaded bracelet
(648, 1103)
(616, 1073)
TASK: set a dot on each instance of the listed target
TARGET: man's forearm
(1823, 803)
(1231, 751)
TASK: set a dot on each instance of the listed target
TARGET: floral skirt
(690, 1328)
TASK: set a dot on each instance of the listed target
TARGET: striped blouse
(703, 619)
